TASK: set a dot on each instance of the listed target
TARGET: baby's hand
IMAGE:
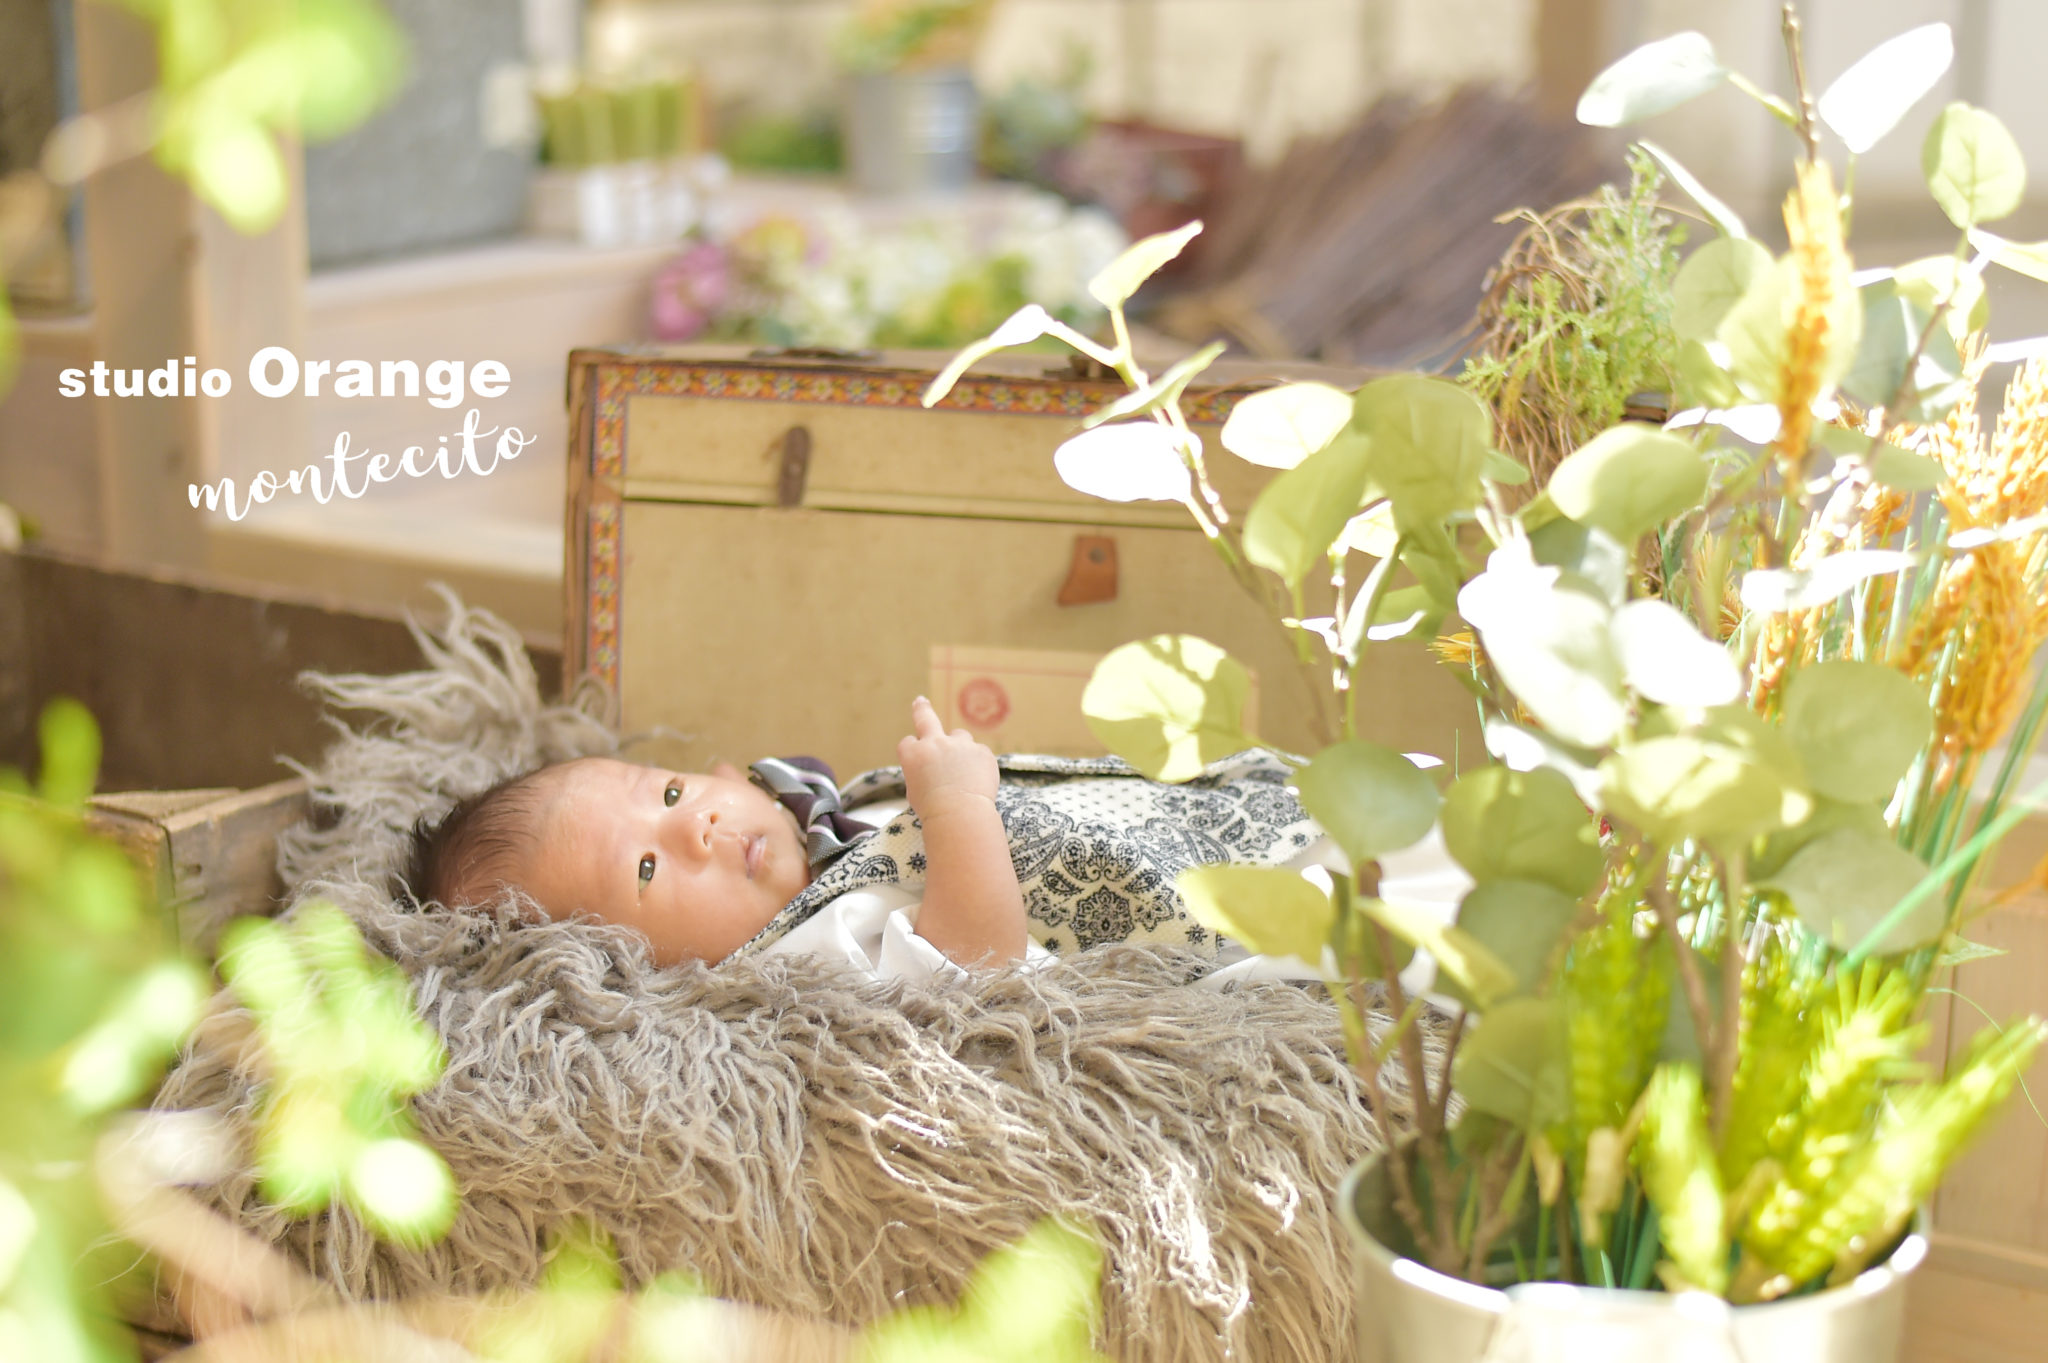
(940, 770)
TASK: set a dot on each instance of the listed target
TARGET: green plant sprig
(1766, 832)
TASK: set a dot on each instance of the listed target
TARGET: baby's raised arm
(973, 911)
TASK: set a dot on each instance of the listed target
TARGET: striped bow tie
(806, 789)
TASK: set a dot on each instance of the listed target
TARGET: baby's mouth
(757, 847)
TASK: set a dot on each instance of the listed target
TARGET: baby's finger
(924, 720)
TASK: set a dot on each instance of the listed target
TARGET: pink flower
(689, 291)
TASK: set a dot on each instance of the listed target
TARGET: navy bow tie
(805, 787)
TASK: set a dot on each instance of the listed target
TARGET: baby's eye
(647, 868)
(672, 794)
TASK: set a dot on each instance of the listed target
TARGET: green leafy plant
(895, 35)
(1577, 319)
(344, 1051)
(93, 997)
(234, 76)
(1738, 676)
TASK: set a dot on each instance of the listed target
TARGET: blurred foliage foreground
(95, 997)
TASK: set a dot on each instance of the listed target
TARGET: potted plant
(911, 111)
(1743, 678)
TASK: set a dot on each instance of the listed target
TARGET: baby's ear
(726, 771)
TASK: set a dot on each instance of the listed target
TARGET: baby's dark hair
(477, 846)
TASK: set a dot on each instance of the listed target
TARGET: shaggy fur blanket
(797, 1136)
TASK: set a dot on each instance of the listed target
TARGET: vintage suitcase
(775, 554)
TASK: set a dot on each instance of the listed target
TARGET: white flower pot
(1411, 1314)
(911, 132)
(629, 203)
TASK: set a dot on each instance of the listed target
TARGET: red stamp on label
(982, 703)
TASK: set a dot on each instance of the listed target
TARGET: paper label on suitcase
(1024, 699)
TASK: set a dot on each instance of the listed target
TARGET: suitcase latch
(1092, 575)
(794, 468)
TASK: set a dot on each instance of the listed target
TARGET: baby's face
(697, 862)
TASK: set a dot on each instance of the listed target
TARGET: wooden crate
(745, 614)
(193, 679)
(209, 856)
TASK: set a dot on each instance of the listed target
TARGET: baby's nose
(694, 828)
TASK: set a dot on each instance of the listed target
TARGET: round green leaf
(1770, 590)
(1371, 800)
(1430, 439)
(1973, 166)
(236, 168)
(1507, 1065)
(1432, 555)
(1371, 532)
(1551, 645)
(1843, 884)
(2027, 258)
(1521, 923)
(1522, 825)
(1268, 909)
(1168, 705)
(1496, 467)
(1868, 100)
(1655, 77)
(1461, 958)
(1892, 323)
(1128, 462)
(1702, 381)
(70, 744)
(403, 1189)
(1932, 278)
(1712, 281)
(1719, 213)
(1857, 726)
(1757, 330)
(17, 1231)
(1826, 817)
(1664, 658)
(1282, 426)
(1586, 555)
(1898, 469)
(1021, 327)
(1163, 391)
(1629, 480)
(1298, 516)
(1686, 786)
(1121, 278)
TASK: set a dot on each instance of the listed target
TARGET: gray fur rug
(797, 1136)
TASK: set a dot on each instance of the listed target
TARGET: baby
(962, 859)
(699, 863)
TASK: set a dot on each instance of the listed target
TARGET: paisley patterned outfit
(1095, 845)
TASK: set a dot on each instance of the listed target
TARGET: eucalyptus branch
(1727, 1049)
(1213, 519)
(1380, 581)
(1809, 118)
(1443, 1078)
(1504, 1166)
(1904, 391)
(1365, 1061)
(1413, 1062)
(1340, 664)
(1658, 892)
(1429, 1132)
